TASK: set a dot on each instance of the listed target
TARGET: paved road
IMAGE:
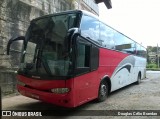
(145, 96)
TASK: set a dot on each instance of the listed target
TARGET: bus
(72, 57)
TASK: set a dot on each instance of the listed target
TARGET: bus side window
(106, 36)
(141, 51)
(90, 28)
(83, 55)
(123, 43)
(94, 57)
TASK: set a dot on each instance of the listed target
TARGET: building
(108, 3)
(88, 5)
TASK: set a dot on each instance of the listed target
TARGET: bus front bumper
(64, 100)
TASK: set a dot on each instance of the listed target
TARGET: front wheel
(103, 91)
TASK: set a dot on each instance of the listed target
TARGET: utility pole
(0, 100)
(157, 55)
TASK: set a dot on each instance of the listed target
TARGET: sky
(138, 19)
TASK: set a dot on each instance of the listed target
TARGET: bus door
(86, 79)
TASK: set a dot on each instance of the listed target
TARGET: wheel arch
(140, 74)
(106, 78)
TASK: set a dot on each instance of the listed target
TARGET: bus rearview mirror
(13, 40)
(73, 32)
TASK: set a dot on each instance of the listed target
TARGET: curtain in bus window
(90, 28)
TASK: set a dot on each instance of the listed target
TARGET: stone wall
(7, 82)
(15, 16)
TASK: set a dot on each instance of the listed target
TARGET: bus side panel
(140, 66)
(85, 87)
(71, 98)
(108, 61)
(122, 68)
(111, 64)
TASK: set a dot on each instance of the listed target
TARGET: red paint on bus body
(83, 88)
(109, 60)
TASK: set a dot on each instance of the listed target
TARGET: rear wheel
(103, 91)
(138, 79)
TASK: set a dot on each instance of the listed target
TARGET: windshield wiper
(41, 60)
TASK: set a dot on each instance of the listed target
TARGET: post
(79, 4)
(157, 56)
(0, 102)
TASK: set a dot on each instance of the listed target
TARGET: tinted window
(83, 55)
(106, 36)
(90, 28)
(112, 39)
(45, 45)
(124, 43)
(94, 57)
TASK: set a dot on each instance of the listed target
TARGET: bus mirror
(13, 40)
(70, 36)
(72, 32)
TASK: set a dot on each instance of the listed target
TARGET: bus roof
(69, 11)
(86, 13)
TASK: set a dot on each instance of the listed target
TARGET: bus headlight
(60, 90)
(21, 83)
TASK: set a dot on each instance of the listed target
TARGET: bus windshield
(44, 51)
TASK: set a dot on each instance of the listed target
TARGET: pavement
(139, 98)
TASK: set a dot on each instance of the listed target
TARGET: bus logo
(37, 77)
(6, 113)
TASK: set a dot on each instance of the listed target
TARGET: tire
(103, 91)
(138, 79)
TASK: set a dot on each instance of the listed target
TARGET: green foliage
(152, 49)
(152, 65)
(153, 69)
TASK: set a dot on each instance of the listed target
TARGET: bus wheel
(138, 79)
(103, 91)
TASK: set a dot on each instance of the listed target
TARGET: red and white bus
(71, 58)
